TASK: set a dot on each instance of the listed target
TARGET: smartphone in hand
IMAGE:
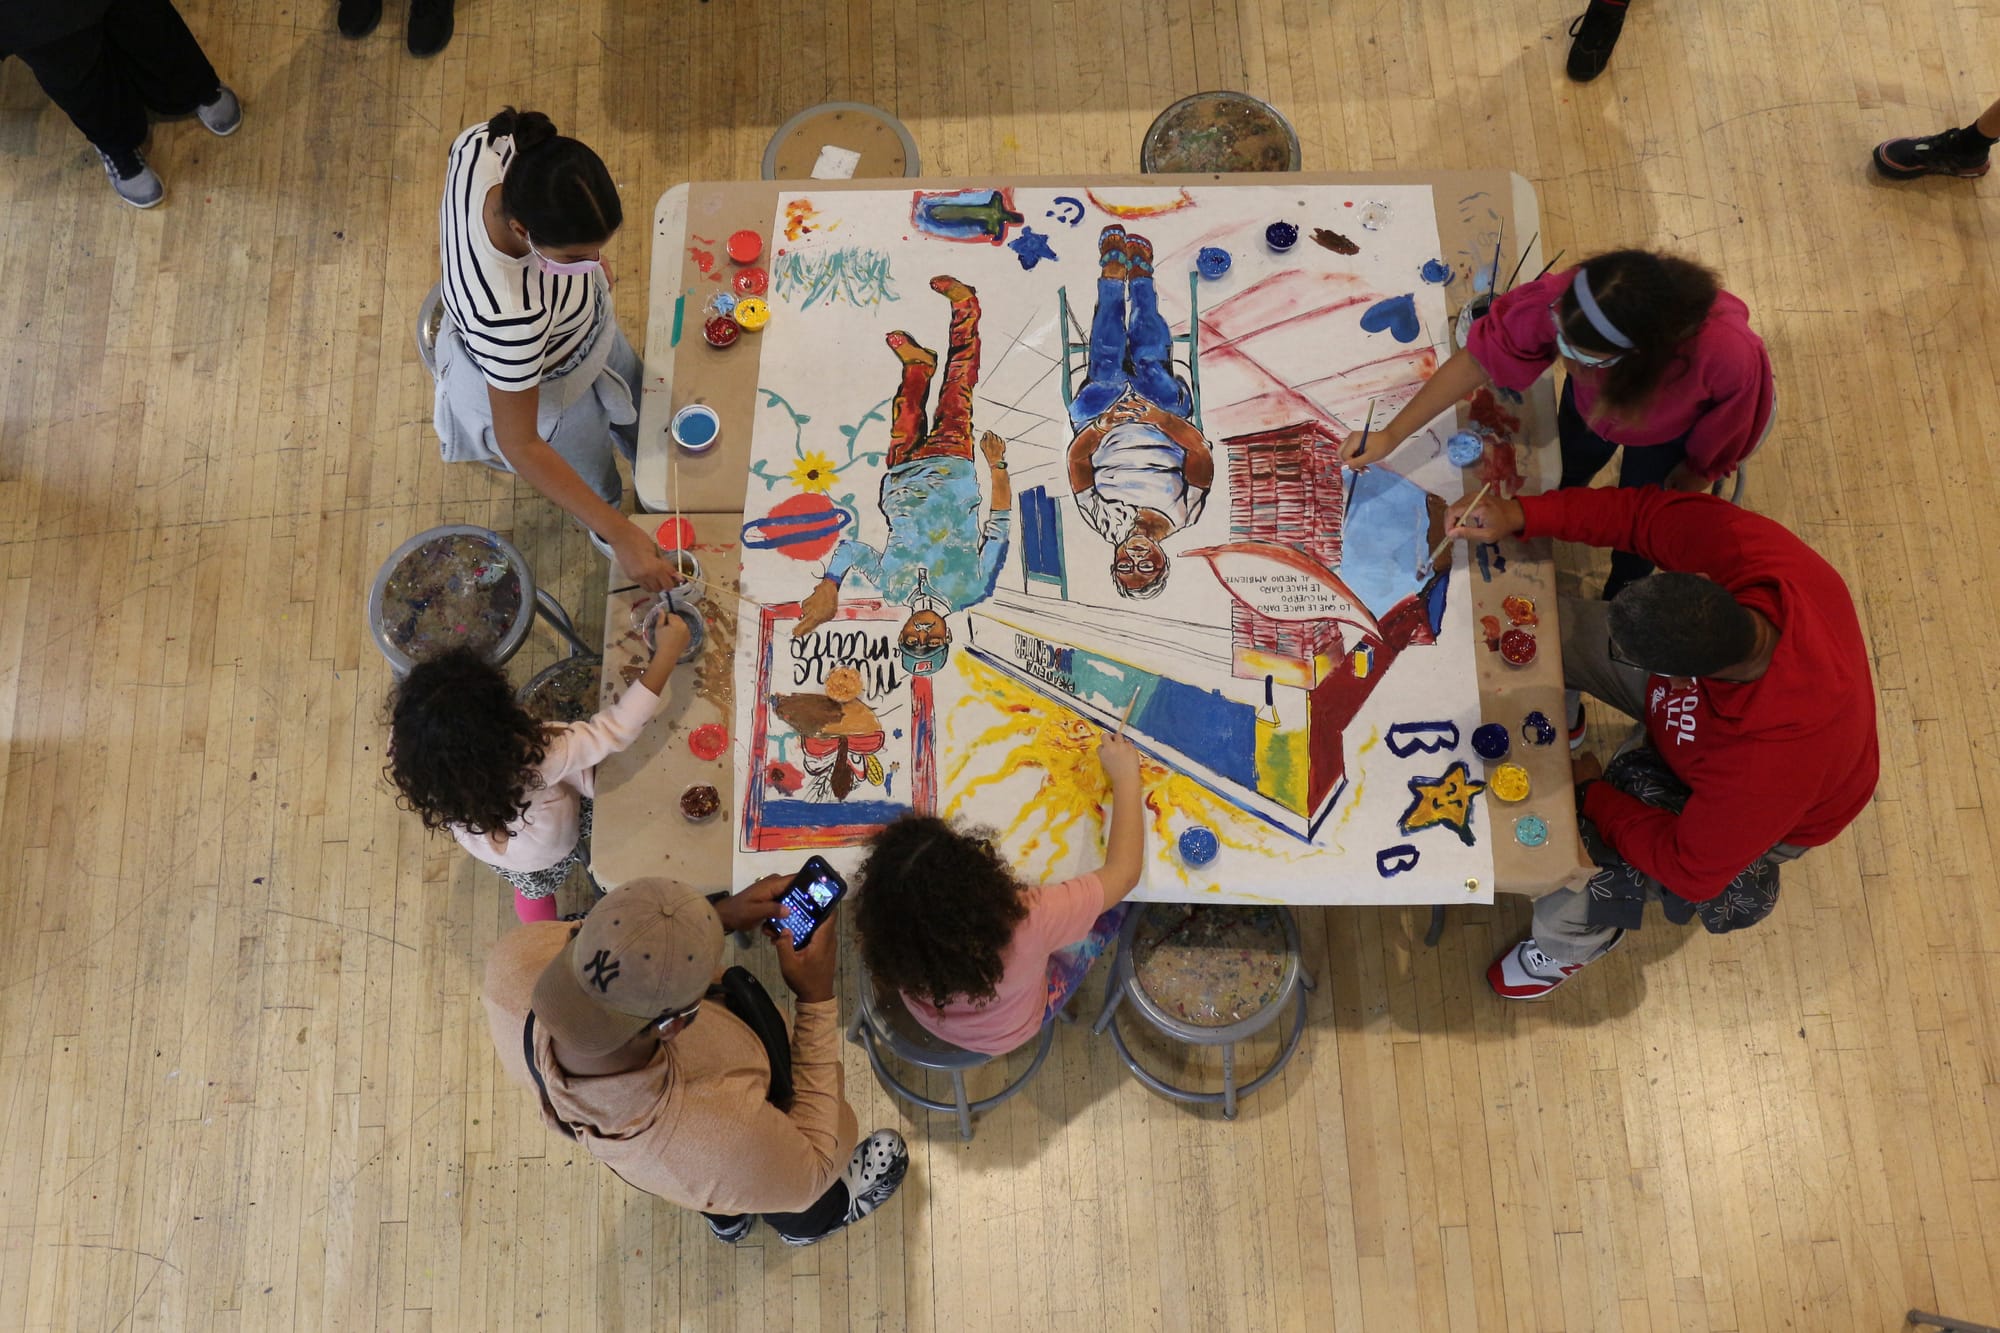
(809, 901)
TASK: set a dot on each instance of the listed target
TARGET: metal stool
(884, 1021)
(1924, 1319)
(882, 147)
(1743, 468)
(1219, 132)
(1293, 981)
(534, 600)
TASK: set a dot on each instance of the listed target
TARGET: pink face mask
(576, 268)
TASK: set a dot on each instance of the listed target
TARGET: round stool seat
(1219, 132)
(455, 586)
(565, 692)
(868, 144)
(1209, 976)
(885, 1021)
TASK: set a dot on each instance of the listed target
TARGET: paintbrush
(1493, 288)
(1521, 259)
(1438, 550)
(1552, 263)
(1126, 717)
(1367, 425)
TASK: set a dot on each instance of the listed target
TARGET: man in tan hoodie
(620, 1025)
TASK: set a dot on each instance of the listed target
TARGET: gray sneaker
(222, 113)
(137, 184)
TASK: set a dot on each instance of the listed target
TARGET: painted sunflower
(813, 472)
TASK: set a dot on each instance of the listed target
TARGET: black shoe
(1952, 153)
(736, 1229)
(1593, 36)
(358, 17)
(430, 26)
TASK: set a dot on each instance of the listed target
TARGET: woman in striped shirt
(533, 374)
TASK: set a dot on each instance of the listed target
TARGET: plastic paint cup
(1509, 782)
(1537, 730)
(745, 246)
(695, 428)
(1517, 647)
(721, 331)
(1464, 448)
(1281, 236)
(752, 313)
(1213, 261)
(1531, 830)
(1198, 846)
(1491, 742)
(750, 281)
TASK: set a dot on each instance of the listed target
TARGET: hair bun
(526, 128)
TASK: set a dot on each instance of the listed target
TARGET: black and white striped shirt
(518, 322)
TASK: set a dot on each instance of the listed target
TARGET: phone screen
(806, 904)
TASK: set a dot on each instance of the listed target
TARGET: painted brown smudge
(1334, 241)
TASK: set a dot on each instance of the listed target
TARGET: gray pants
(1561, 927)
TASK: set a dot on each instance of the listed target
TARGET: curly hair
(934, 907)
(1658, 301)
(461, 750)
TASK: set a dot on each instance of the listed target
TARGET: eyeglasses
(1581, 358)
(673, 1016)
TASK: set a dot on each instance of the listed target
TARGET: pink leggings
(534, 909)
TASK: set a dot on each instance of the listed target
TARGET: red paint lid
(675, 534)
(745, 246)
(708, 740)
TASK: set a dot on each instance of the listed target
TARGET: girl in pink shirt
(1657, 359)
(515, 791)
(980, 959)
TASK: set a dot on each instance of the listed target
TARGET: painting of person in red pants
(938, 557)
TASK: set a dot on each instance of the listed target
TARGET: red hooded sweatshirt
(1788, 757)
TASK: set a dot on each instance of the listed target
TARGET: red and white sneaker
(1578, 724)
(1524, 972)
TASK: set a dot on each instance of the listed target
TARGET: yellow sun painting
(813, 472)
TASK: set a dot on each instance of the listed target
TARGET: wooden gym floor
(244, 1078)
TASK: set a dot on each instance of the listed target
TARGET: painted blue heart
(1397, 314)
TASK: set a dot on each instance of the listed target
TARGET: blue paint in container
(1531, 830)
(1281, 236)
(695, 427)
(1198, 845)
(1491, 742)
(1213, 261)
(1464, 448)
(1435, 271)
(1537, 730)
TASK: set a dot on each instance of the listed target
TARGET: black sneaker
(430, 27)
(732, 1231)
(358, 17)
(873, 1173)
(1952, 153)
(137, 184)
(1593, 36)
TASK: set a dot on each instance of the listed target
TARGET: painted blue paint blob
(1537, 730)
(1281, 236)
(1435, 271)
(1213, 261)
(1491, 742)
(1531, 830)
(1199, 845)
(1464, 448)
(1031, 247)
(1397, 314)
(1384, 538)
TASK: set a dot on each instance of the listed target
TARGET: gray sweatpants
(1562, 928)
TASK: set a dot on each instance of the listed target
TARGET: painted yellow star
(1446, 800)
(813, 472)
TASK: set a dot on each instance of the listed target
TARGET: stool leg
(854, 1026)
(1436, 932)
(552, 611)
(1111, 1000)
(1229, 1080)
(964, 1110)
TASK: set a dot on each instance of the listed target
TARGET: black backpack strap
(745, 996)
(541, 1088)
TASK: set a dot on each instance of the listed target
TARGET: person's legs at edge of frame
(873, 1172)
(1105, 381)
(1593, 35)
(1561, 939)
(1952, 152)
(167, 67)
(1149, 341)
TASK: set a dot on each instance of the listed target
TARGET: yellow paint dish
(1509, 782)
(752, 313)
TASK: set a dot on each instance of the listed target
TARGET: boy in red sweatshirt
(1746, 663)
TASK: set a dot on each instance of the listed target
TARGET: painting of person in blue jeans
(938, 557)
(1139, 470)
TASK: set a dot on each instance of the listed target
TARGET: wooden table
(639, 827)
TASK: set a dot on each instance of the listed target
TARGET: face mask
(575, 268)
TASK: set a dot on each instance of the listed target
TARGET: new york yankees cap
(646, 951)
